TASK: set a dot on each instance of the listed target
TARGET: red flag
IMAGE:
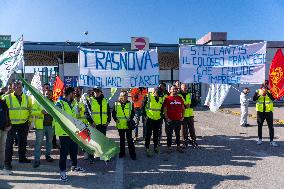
(276, 75)
(58, 87)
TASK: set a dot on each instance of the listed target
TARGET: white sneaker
(274, 144)
(63, 176)
(5, 172)
(259, 142)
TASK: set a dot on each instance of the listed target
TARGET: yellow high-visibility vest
(19, 114)
(38, 115)
(58, 129)
(80, 106)
(122, 117)
(268, 104)
(96, 111)
(153, 108)
(188, 111)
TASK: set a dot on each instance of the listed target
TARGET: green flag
(88, 138)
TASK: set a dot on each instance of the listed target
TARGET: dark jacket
(88, 105)
(5, 121)
(123, 105)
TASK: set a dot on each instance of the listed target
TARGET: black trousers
(152, 126)
(22, 130)
(54, 140)
(67, 146)
(268, 116)
(188, 127)
(131, 147)
(173, 126)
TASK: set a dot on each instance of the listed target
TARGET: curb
(253, 116)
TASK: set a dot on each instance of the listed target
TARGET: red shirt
(174, 105)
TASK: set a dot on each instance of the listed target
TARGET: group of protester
(18, 110)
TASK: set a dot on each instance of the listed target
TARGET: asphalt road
(228, 158)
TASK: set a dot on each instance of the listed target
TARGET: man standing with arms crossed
(174, 114)
(188, 122)
(153, 113)
(19, 105)
(101, 115)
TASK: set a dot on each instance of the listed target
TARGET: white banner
(236, 64)
(10, 60)
(108, 69)
(36, 83)
(216, 96)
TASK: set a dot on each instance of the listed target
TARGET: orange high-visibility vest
(138, 97)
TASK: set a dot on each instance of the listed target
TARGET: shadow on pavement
(204, 168)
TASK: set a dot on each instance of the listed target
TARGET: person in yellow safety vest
(67, 145)
(78, 106)
(264, 111)
(79, 110)
(188, 121)
(43, 127)
(101, 115)
(138, 95)
(122, 112)
(152, 109)
(46, 87)
(164, 93)
(19, 105)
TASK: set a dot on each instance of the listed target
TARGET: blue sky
(163, 21)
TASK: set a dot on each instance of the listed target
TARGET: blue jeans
(138, 115)
(48, 132)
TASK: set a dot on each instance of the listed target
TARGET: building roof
(73, 46)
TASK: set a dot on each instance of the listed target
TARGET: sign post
(5, 41)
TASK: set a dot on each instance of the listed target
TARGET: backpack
(3, 115)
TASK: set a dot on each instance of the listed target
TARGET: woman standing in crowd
(122, 112)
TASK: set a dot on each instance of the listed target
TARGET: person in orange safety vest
(138, 95)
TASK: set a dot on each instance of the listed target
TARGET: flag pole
(23, 69)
